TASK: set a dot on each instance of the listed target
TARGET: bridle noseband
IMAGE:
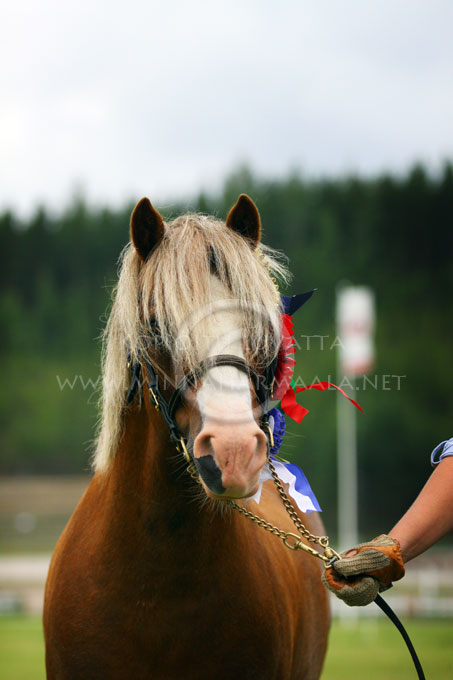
(263, 385)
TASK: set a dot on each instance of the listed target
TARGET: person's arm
(367, 568)
(430, 517)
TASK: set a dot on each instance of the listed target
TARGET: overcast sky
(165, 98)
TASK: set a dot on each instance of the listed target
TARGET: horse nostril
(203, 446)
(210, 473)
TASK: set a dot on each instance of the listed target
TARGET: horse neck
(145, 459)
(149, 486)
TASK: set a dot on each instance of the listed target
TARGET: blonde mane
(174, 281)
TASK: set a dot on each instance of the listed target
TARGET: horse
(155, 575)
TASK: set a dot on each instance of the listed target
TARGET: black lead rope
(395, 620)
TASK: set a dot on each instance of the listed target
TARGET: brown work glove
(357, 580)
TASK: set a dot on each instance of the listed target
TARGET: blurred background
(336, 119)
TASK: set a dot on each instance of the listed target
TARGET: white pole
(355, 322)
(347, 471)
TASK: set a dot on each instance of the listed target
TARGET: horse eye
(212, 260)
(154, 328)
(154, 336)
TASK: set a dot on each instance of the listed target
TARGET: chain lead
(292, 541)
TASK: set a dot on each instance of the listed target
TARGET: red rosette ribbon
(283, 391)
(286, 362)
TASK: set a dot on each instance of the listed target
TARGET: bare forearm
(430, 516)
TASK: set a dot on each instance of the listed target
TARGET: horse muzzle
(230, 467)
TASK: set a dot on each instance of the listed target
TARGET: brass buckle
(154, 398)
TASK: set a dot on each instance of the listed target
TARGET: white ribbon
(304, 503)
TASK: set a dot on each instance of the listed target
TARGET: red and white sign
(355, 324)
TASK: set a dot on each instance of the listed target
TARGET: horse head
(207, 326)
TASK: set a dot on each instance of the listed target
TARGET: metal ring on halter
(267, 428)
(182, 448)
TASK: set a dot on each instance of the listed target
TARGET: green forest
(391, 233)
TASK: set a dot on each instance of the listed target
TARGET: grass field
(371, 649)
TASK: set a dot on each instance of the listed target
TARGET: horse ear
(147, 228)
(245, 219)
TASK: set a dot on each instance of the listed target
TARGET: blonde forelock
(175, 280)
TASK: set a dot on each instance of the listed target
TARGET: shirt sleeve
(442, 450)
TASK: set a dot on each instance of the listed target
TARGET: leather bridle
(263, 386)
